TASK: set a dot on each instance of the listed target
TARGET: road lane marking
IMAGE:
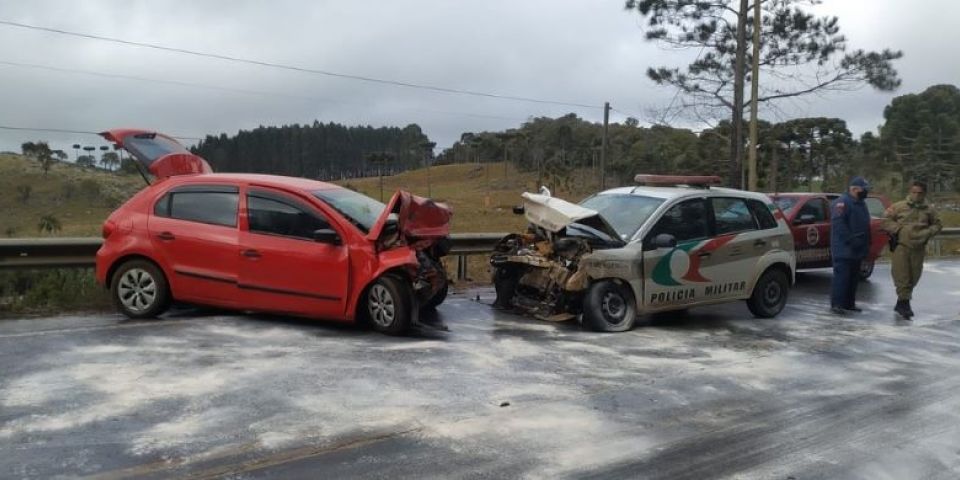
(155, 323)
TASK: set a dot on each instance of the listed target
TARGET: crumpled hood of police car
(554, 214)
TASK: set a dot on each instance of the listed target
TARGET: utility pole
(427, 155)
(736, 143)
(754, 105)
(603, 146)
(505, 159)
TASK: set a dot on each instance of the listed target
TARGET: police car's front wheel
(609, 306)
(770, 294)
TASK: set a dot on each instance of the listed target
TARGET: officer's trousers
(846, 277)
(907, 267)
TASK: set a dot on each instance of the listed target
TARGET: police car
(668, 243)
(808, 215)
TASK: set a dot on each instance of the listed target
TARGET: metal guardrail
(80, 252)
(48, 252)
(936, 245)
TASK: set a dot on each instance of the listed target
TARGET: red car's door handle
(251, 254)
(166, 236)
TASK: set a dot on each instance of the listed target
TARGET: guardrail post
(461, 267)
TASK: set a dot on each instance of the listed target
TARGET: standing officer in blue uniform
(849, 244)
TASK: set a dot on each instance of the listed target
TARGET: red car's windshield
(360, 209)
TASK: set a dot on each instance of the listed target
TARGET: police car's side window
(762, 213)
(816, 207)
(685, 221)
(732, 216)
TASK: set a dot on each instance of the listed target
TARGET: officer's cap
(861, 182)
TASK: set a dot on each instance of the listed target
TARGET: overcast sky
(576, 51)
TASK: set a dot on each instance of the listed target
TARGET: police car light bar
(701, 181)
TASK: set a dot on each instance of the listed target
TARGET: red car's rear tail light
(108, 228)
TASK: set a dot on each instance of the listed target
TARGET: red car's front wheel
(387, 305)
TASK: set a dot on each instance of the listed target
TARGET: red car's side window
(272, 214)
(210, 204)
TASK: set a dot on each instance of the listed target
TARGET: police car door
(670, 275)
(729, 259)
(811, 234)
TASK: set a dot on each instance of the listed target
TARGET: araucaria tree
(800, 54)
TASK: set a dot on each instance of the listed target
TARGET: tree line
(322, 151)
(920, 139)
(46, 157)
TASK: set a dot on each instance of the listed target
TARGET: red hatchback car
(808, 215)
(268, 243)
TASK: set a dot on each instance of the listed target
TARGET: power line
(233, 90)
(161, 81)
(82, 132)
(625, 114)
(295, 68)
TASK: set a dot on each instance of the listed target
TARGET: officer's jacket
(914, 224)
(849, 228)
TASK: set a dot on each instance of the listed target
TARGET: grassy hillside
(481, 196)
(80, 199)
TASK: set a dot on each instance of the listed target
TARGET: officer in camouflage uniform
(912, 223)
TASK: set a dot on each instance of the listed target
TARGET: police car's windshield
(624, 212)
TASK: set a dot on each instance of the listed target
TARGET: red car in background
(808, 215)
(268, 243)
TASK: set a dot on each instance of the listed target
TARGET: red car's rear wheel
(140, 290)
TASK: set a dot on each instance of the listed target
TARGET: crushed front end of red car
(423, 225)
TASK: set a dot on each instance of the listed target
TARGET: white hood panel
(552, 213)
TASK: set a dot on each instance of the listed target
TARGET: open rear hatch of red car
(157, 153)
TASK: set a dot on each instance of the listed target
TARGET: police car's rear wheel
(609, 306)
(770, 294)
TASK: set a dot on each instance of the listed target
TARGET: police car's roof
(669, 193)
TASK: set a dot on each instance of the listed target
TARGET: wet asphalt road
(713, 393)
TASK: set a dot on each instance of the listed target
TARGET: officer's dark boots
(903, 309)
(909, 308)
